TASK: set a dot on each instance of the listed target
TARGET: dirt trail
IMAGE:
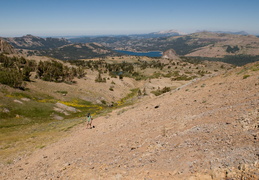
(205, 130)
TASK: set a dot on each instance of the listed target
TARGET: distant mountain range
(205, 44)
(228, 32)
(165, 33)
(168, 33)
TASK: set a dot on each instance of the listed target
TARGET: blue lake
(149, 54)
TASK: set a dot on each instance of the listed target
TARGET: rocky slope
(5, 47)
(170, 54)
(206, 129)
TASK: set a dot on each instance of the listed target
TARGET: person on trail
(89, 120)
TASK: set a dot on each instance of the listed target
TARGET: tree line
(123, 69)
(57, 72)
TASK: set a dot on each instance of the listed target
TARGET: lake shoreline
(148, 53)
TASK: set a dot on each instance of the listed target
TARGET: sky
(112, 17)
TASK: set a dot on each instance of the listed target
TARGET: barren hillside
(207, 129)
(5, 47)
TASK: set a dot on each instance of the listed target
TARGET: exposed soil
(207, 129)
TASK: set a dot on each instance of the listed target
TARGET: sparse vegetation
(232, 49)
(62, 92)
(99, 79)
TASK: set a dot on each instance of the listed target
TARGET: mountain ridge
(36, 43)
(79, 51)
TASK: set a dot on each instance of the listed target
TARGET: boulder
(65, 107)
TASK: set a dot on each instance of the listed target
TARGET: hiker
(89, 120)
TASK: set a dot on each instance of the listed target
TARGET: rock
(5, 110)
(25, 99)
(98, 101)
(65, 107)
(61, 111)
(57, 117)
(17, 101)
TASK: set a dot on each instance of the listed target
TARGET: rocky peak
(170, 54)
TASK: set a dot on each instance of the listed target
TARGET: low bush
(161, 91)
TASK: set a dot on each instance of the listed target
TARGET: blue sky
(96, 17)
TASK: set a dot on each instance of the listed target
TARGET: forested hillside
(15, 71)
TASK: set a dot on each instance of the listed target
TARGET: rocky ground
(207, 129)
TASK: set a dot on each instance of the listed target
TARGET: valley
(190, 114)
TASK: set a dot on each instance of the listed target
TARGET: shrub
(246, 76)
(161, 91)
(232, 49)
(11, 77)
(182, 78)
(103, 102)
(99, 78)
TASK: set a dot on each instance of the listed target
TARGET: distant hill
(159, 34)
(79, 51)
(6, 47)
(167, 33)
(31, 42)
(101, 39)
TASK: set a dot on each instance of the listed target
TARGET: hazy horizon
(100, 35)
(116, 17)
